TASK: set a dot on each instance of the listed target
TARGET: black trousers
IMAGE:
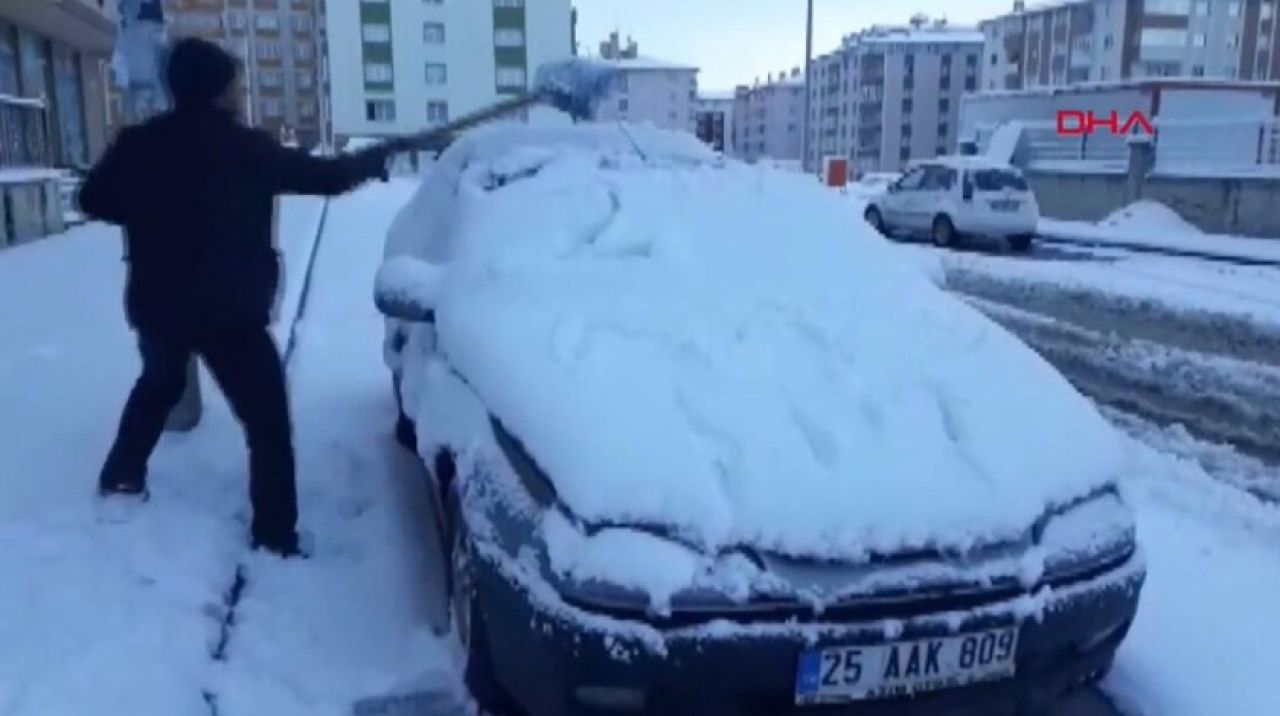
(247, 367)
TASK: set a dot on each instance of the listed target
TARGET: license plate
(881, 671)
(1005, 205)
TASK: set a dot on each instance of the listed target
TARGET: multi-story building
(767, 118)
(280, 43)
(891, 94)
(53, 106)
(52, 81)
(1078, 41)
(396, 66)
(713, 120)
(648, 90)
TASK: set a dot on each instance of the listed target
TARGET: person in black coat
(194, 190)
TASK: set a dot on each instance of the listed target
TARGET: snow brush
(575, 86)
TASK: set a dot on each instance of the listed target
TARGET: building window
(376, 32)
(1197, 70)
(510, 77)
(1202, 8)
(302, 51)
(237, 21)
(904, 153)
(1265, 12)
(437, 111)
(508, 37)
(508, 3)
(380, 110)
(970, 84)
(432, 2)
(1233, 8)
(268, 23)
(272, 108)
(437, 73)
(907, 105)
(268, 50)
(306, 110)
(379, 72)
(271, 78)
(1198, 39)
(433, 33)
(622, 104)
(304, 80)
(1233, 41)
(1168, 7)
(301, 24)
(943, 128)
(944, 105)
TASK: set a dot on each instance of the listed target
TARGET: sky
(734, 41)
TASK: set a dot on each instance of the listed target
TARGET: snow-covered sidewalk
(1149, 225)
(97, 610)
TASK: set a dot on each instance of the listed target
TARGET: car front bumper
(545, 652)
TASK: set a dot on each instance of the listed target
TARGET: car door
(932, 198)
(899, 198)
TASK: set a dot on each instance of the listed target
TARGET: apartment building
(53, 106)
(397, 66)
(713, 120)
(1079, 41)
(52, 81)
(279, 42)
(889, 95)
(768, 118)
(648, 90)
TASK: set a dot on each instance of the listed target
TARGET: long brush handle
(433, 137)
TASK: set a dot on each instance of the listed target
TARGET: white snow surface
(1150, 223)
(674, 347)
(109, 613)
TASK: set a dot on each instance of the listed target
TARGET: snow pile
(1150, 224)
(719, 350)
(1149, 217)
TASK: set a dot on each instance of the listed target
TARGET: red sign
(1077, 123)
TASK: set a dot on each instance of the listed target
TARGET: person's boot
(117, 483)
(283, 546)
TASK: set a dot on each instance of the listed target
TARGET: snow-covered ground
(103, 609)
(99, 608)
(1151, 224)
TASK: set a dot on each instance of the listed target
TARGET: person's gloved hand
(374, 162)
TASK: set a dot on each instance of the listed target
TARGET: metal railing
(1209, 146)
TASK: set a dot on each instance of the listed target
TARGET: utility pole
(808, 103)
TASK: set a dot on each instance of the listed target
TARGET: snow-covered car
(694, 447)
(950, 198)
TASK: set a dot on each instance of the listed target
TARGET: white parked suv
(949, 198)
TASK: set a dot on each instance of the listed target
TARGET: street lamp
(808, 62)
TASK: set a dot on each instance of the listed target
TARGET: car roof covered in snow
(965, 162)
(684, 340)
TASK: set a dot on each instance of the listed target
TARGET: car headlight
(1087, 536)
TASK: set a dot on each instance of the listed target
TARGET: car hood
(716, 349)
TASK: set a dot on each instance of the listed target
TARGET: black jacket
(194, 191)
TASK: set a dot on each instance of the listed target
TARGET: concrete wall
(1245, 207)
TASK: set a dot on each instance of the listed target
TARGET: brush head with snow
(576, 85)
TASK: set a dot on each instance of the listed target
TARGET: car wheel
(1020, 244)
(944, 232)
(873, 217)
(478, 673)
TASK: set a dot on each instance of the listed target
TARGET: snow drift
(723, 351)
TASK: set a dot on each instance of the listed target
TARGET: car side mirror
(407, 288)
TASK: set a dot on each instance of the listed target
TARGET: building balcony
(79, 23)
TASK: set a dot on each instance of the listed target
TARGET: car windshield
(998, 179)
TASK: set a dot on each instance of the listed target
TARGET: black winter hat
(199, 72)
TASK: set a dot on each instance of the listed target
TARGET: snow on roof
(715, 95)
(648, 63)
(696, 343)
(1200, 83)
(917, 35)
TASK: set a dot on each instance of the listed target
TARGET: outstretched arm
(294, 171)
